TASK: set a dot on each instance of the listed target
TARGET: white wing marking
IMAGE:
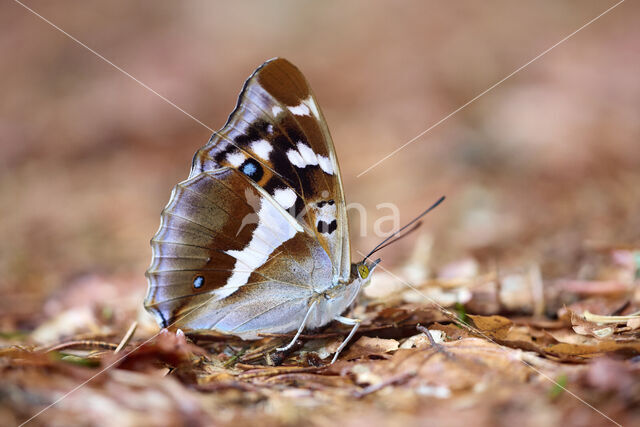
(275, 226)
(262, 148)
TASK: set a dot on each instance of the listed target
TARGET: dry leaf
(583, 326)
(366, 346)
(494, 326)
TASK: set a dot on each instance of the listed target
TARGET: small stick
(127, 337)
(428, 334)
(436, 346)
(398, 379)
(269, 372)
(79, 343)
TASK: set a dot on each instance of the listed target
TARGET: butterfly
(256, 240)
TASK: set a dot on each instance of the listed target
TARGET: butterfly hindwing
(223, 239)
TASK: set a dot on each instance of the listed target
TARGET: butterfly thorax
(335, 300)
(348, 290)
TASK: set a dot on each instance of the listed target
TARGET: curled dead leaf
(583, 326)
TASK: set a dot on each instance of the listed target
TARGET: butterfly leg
(300, 329)
(346, 321)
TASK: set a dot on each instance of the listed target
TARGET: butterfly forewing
(278, 137)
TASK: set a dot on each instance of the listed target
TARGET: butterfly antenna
(401, 236)
(411, 225)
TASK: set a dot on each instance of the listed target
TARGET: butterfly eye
(363, 270)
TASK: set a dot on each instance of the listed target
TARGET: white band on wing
(275, 226)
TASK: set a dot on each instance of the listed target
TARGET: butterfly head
(362, 271)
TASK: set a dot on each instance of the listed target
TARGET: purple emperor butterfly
(256, 240)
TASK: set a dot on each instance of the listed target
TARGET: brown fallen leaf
(502, 332)
(367, 346)
(458, 365)
(625, 349)
(496, 327)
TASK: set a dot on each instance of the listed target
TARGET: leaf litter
(480, 347)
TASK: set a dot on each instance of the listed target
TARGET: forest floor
(533, 355)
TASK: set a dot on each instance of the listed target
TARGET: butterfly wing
(260, 225)
(277, 136)
(228, 257)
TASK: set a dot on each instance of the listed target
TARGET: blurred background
(538, 169)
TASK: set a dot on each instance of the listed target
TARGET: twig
(427, 332)
(398, 379)
(127, 337)
(439, 348)
(78, 343)
(269, 372)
